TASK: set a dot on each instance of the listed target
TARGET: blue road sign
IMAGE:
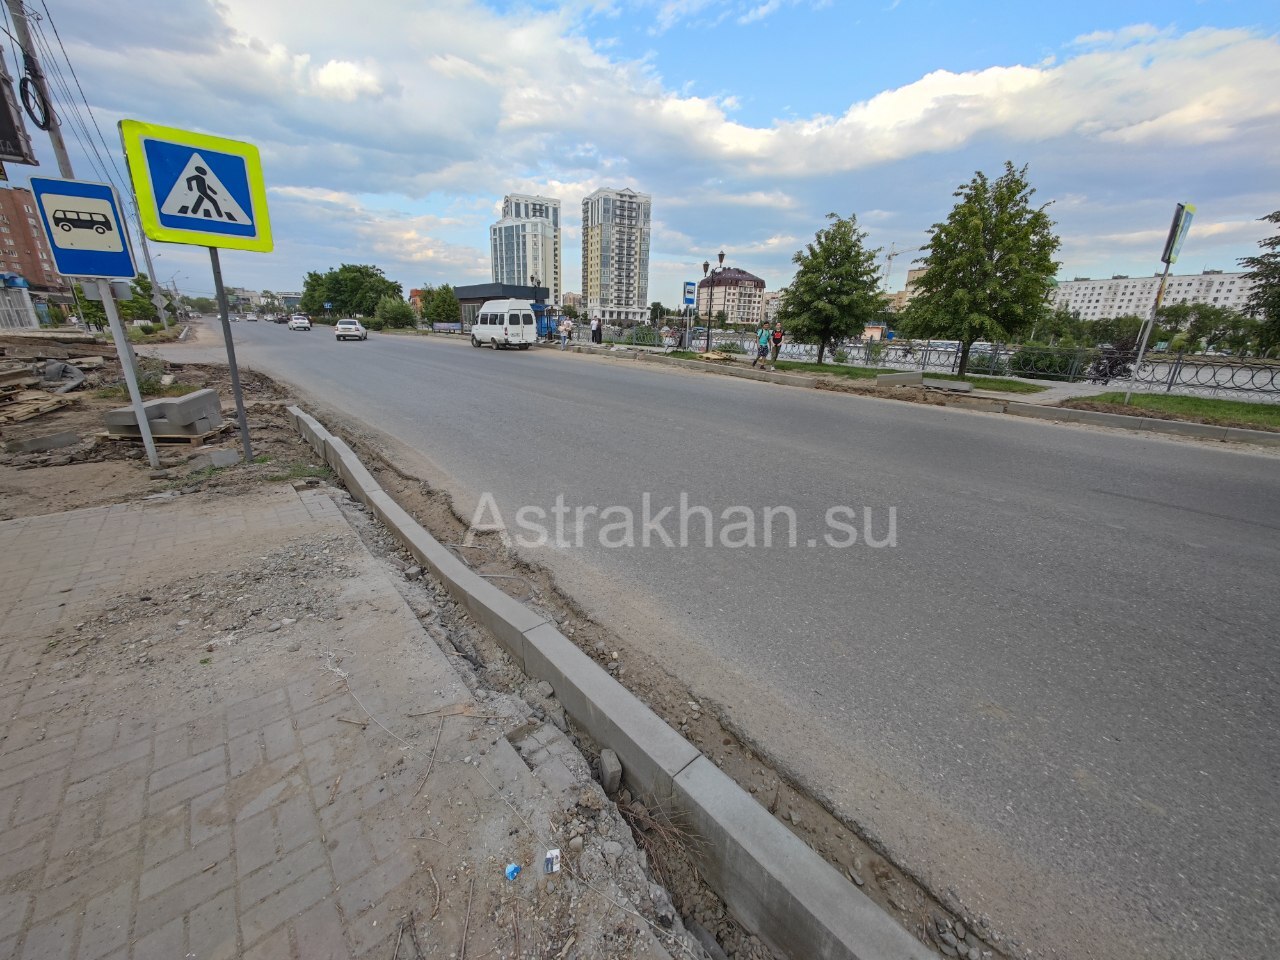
(85, 229)
(199, 189)
(328, 305)
(195, 188)
(690, 292)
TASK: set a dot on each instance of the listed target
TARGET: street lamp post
(708, 271)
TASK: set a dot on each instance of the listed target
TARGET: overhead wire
(57, 36)
(119, 180)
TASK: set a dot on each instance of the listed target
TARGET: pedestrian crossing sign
(195, 188)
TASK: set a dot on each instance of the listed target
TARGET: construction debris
(30, 403)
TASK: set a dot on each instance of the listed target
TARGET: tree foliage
(442, 306)
(393, 311)
(835, 292)
(201, 304)
(352, 289)
(139, 308)
(92, 313)
(990, 266)
(1264, 299)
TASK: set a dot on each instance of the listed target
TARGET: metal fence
(1194, 374)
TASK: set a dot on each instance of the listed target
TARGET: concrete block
(225, 458)
(610, 771)
(1036, 412)
(503, 616)
(957, 386)
(1261, 437)
(977, 403)
(50, 441)
(651, 752)
(347, 465)
(124, 416)
(311, 430)
(775, 884)
(899, 379)
(192, 407)
(1209, 431)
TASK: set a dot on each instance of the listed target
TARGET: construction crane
(891, 255)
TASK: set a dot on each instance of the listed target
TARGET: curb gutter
(775, 884)
(1016, 408)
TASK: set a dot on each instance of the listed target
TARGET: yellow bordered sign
(198, 189)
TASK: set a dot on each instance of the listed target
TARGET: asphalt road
(1056, 695)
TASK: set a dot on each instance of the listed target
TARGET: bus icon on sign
(68, 220)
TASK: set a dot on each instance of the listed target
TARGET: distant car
(299, 323)
(251, 317)
(350, 330)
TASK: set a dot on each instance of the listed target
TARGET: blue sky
(390, 130)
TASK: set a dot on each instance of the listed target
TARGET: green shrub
(841, 356)
(374, 323)
(1045, 363)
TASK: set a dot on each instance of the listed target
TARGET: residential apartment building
(736, 293)
(898, 301)
(615, 255)
(526, 243)
(1135, 296)
(772, 303)
(572, 300)
(23, 247)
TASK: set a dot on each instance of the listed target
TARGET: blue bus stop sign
(85, 229)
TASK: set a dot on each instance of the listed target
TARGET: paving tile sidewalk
(216, 801)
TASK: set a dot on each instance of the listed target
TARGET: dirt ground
(97, 471)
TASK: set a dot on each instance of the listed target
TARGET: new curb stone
(776, 885)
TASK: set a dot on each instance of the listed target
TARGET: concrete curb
(1017, 408)
(775, 884)
(1205, 431)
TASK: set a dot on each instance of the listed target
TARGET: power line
(101, 138)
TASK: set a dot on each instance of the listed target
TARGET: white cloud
(450, 106)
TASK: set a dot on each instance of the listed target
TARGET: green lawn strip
(1165, 406)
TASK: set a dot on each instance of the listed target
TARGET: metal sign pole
(130, 378)
(231, 355)
(1146, 333)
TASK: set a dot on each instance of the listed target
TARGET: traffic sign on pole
(198, 189)
(85, 228)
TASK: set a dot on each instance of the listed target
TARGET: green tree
(92, 314)
(656, 312)
(352, 289)
(1264, 299)
(1205, 322)
(835, 292)
(139, 308)
(393, 311)
(201, 304)
(571, 312)
(990, 266)
(442, 306)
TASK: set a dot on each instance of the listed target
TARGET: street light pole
(707, 271)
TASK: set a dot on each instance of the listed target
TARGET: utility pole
(31, 65)
(124, 349)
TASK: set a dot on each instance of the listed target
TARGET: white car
(299, 323)
(350, 330)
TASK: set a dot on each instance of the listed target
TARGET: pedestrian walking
(762, 345)
(566, 327)
(775, 344)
